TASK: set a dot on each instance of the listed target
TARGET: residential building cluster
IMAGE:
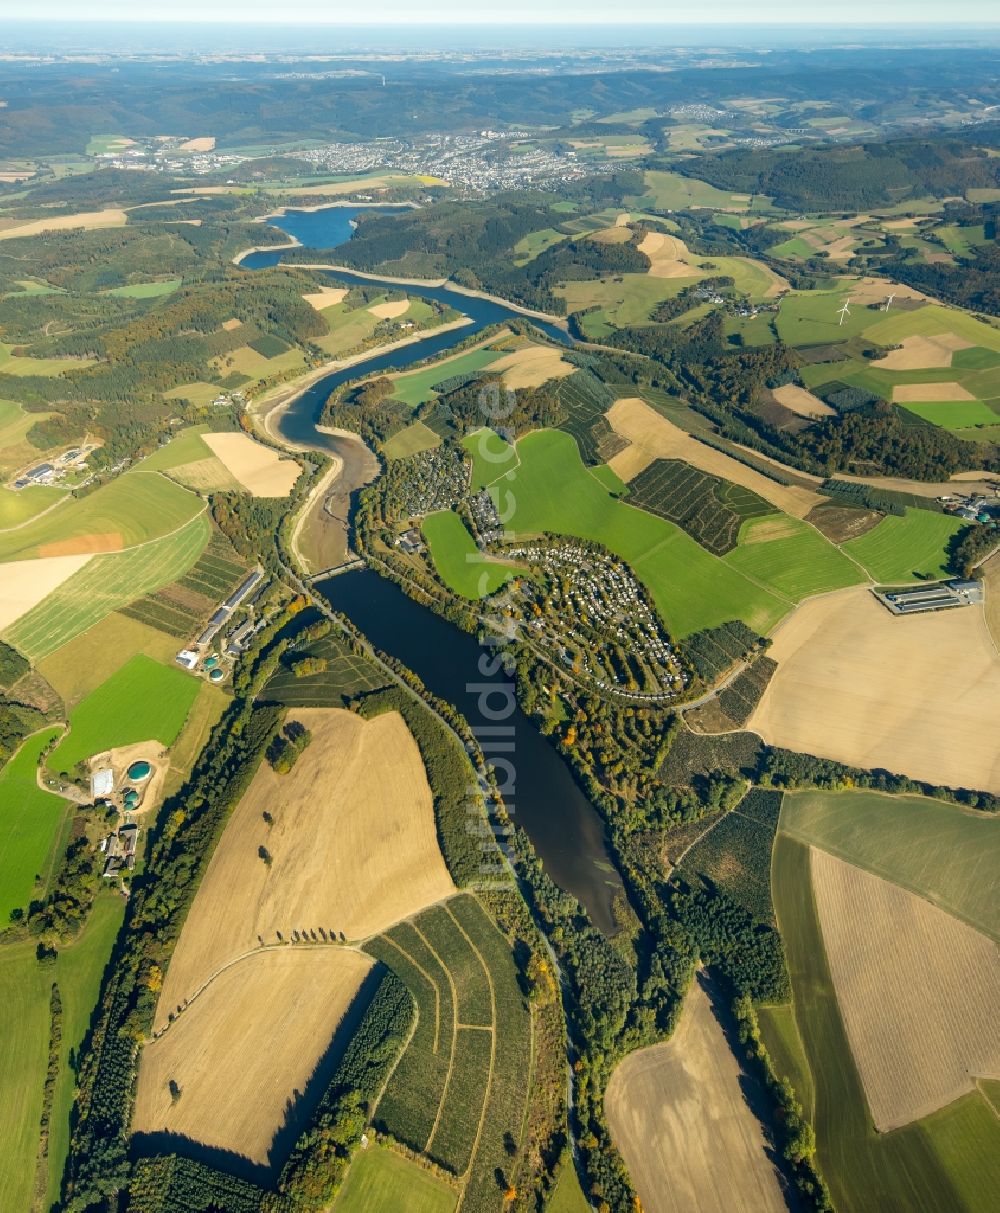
(588, 609)
(485, 518)
(435, 480)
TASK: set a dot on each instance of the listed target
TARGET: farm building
(941, 596)
(187, 658)
(102, 783)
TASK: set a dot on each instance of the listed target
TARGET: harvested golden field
(923, 353)
(391, 309)
(877, 290)
(232, 324)
(916, 694)
(24, 583)
(88, 220)
(531, 366)
(261, 471)
(801, 401)
(652, 436)
(669, 256)
(245, 1046)
(353, 848)
(918, 991)
(326, 296)
(204, 143)
(205, 475)
(912, 393)
(677, 1114)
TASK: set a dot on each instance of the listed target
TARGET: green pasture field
(796, 565)
(198, 393)
(976, 358)
(459, 562)
(382, 1181)
(794, 248)
(755, 330)
(14, 425)
(905, 549)
(187, 446)
(568, 1196)
(349, 326)
(416, 388)
(83, 663)
(142, 701)
(104, 143)
(492, 457)
(30, 823)
(749, 277)
(31, 286)
(961, 241)
(528, 248)
(138, 507)
(931, 321)
(937, 850)
(780, 1034)
(411, 441)
(953, 414)
(205, 713)
(79, 970)
(920, 1168)
(624, 299)
(610, 479)
(145, 290)
(553, 491)
(247, 361)
(668, 191)
(21, 505)
(26, 365)
(442, 1090)
(104, 584)
(811, 317)
(24, 1036)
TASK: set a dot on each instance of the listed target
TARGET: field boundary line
(493, 1049)
(454, 1034)
(430, 981)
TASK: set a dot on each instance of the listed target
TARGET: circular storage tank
(139, 771)
(216, 675)
(131, 798)
(211, 663)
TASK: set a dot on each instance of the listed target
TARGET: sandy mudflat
(915, 694)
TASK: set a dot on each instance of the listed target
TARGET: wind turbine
(845, 310)
(888, 302)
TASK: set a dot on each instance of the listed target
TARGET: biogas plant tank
(139, 771)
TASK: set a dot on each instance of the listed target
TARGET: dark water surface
(563, 825)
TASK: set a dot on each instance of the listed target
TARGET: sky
(573, 12)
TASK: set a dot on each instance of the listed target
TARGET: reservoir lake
(546, 801)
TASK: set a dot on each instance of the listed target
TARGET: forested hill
(855, 178)
(58, 106)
